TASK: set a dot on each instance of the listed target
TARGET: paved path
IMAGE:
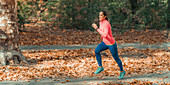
(88, 81)
(135, 45)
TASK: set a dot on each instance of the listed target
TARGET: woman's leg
(113, 50)
(101, 47)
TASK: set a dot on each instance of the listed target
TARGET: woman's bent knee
(97, 52)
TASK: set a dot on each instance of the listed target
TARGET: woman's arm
(105, 31)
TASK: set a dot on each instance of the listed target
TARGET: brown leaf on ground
(78, 37)
(82, 62)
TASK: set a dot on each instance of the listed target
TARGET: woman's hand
(94, 26)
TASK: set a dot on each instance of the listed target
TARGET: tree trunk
(9, 36)
(168, 15)
(168, 19)
(133, 5)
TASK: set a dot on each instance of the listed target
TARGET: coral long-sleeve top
(106, 33)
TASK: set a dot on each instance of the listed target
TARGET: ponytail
(106, 18)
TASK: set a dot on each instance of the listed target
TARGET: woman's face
(101, 16)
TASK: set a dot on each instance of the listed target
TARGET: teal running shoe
(100, 69)
(122, 74)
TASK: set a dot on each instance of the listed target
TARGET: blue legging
(113, 49)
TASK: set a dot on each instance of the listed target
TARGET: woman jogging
(108, 43)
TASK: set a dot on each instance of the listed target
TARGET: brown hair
(105, 14)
